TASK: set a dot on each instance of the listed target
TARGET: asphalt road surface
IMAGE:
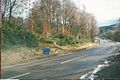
(70, 66)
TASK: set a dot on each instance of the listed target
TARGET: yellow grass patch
(23, 54)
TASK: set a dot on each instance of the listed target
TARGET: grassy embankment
(20, 53)
(113, 71)
(22, 45)
(14, 54)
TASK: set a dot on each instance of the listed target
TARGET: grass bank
(20, 53)
(21, 44)
(113, 71)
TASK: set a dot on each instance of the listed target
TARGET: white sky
(103, 10)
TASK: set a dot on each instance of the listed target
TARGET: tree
(63, 17)
(119, 25)
(11, 7)
(0, 16)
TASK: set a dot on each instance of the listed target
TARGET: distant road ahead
(70, 66)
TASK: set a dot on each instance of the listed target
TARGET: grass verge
(113, 71)
(19, 53)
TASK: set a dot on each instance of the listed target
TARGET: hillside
(21, 44)
(106, 28)
(111, 32)
(48, 24)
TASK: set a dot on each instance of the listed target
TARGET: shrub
(49, 40)
(67, 41)
(13, 35)
(116, 36)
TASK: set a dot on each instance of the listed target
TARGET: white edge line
(69, 60)
(100, 50)
(20, 75)
(32, 62)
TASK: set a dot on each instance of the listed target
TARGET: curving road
(70, 66)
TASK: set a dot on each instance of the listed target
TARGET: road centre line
(69, 60)
(100, 50)
(44, 61)
(79, 57)
(36, 63)
(20, 75)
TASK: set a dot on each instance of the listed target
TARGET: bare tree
(11, 7)
(0, 15)
(64, 17)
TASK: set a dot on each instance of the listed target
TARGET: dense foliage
(48, 21)
(62, 17)
(13, 34)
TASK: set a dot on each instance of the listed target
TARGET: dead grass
(16, 54)
(19, 53)
(78, 46)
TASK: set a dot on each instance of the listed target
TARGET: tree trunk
(0, 16)
(11, 8)
(0, 27)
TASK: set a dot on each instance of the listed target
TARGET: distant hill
(110, 22)
(106, 28)
(111, 31)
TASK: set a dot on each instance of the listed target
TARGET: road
(70, 66)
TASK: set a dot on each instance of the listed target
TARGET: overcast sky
(103, 10)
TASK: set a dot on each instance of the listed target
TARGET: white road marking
(92, 74)
(20, 75)
(45, 60)
(85, 75)
(69, 60)
(29, 63)
(99, 50)
(9, 79)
